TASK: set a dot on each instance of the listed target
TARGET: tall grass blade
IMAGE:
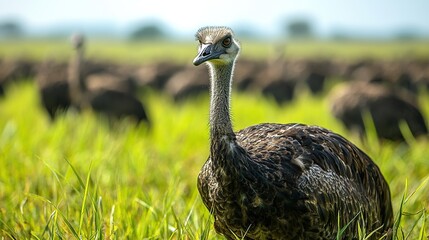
(423, 235)
(400, 213)
(344, 228)
(112, 223)
(81, 182)
(85, 195)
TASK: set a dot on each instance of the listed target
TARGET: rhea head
(216, 45)
(77, 40)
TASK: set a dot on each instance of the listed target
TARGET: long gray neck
(76, 81)
(220, 119)
(223, 146)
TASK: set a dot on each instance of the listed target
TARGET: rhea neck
(76, 81)
(220, 84)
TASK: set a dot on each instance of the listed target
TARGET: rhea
(282, 181)
(112, 103)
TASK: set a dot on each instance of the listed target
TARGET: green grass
(79, 178)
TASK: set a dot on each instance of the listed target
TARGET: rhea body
(282, 181)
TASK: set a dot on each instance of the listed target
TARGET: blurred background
(133, 19)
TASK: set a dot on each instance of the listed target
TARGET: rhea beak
(207, 52)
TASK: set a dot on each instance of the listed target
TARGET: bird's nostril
(206, 52)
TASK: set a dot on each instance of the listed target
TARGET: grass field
(81, 178)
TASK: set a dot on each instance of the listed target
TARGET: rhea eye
(227, 42)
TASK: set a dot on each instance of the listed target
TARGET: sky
(186, 16)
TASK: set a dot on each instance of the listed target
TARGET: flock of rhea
(268, 181)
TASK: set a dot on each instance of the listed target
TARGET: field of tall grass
(81, 177)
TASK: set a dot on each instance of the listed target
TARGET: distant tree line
(298, 28)
(150, 31)
(10, 29)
